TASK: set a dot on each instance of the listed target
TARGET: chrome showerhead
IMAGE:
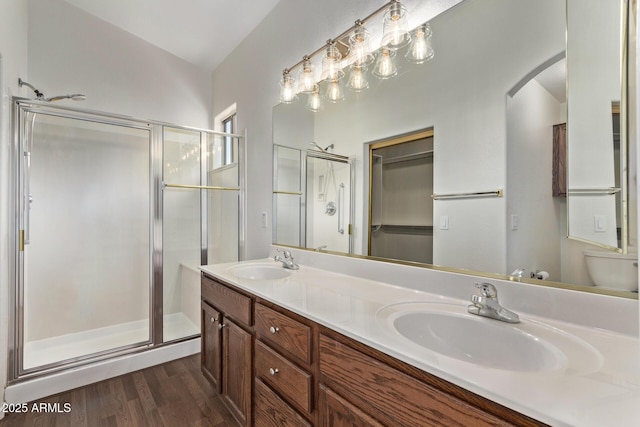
(40, 95)
(314, 144)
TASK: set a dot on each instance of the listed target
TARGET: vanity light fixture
(353, 48)
(420, 49)
(287, 88)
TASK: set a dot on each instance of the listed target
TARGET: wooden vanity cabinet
(283, 367)
(227, 346)
(275, 368)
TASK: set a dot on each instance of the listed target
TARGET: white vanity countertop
(600, 384)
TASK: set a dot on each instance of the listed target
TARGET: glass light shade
(420, 49)
(306, 76)
(395, 32)
(287, 88)
(359, 47)
(385, 64)
(331, 63)
(334, 91)
(358, 79)
(314, 103)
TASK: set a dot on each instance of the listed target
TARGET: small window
(228, 126)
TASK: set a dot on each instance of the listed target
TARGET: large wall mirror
(513, 137)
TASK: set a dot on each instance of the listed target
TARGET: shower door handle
(27, 198)
(340, 197)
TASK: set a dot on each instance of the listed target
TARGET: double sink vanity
(349, 341)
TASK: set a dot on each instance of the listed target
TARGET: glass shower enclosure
(312, 199)
(113, 217)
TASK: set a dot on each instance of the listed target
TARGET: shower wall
(323, 187)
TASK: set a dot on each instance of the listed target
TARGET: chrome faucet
(486, 304)
(517, 274)
(286, 259)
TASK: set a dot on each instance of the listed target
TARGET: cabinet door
(237, 370)
(337, 412)
(211, 352)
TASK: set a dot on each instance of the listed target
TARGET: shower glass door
(200, 219)
(84, 262)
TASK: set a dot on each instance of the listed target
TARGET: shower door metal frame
(20, 106)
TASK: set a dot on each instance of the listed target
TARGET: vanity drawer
(285, 377)
(233, 304)
(283, 332)
(271, 411)
(391, 395)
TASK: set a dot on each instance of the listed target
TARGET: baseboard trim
(37, 388)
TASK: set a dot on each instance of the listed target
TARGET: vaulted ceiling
(202, 32)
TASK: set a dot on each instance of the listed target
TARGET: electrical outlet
(265, 219)
(514, 222)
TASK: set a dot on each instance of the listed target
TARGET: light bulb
(306, 77)
(331, 63)
(358, 79)
(385, 64)
(287, 88)
(314, 103)
(420, 49)
(334, 91)
(359, 50)
(394, 28)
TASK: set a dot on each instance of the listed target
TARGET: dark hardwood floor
(174, 394)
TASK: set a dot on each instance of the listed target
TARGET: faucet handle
(286, 253)
(487, 290)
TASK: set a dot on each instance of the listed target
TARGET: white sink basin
(448, 330)
(260, 271)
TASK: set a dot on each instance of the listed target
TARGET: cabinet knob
(274, 329)
(273, 371)
(214, 319)
(221, 325)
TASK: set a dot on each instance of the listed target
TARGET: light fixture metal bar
(344, 33)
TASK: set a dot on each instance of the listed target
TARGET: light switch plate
(444, 222)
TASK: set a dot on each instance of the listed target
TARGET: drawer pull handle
(274, 329)
(221, 325)
(273, 371)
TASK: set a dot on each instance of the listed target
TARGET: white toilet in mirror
(613, 270)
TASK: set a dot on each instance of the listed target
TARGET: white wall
(13, 63)
(594, 82)
(71, 51)
(536, 243)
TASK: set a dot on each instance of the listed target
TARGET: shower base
(65, 347)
